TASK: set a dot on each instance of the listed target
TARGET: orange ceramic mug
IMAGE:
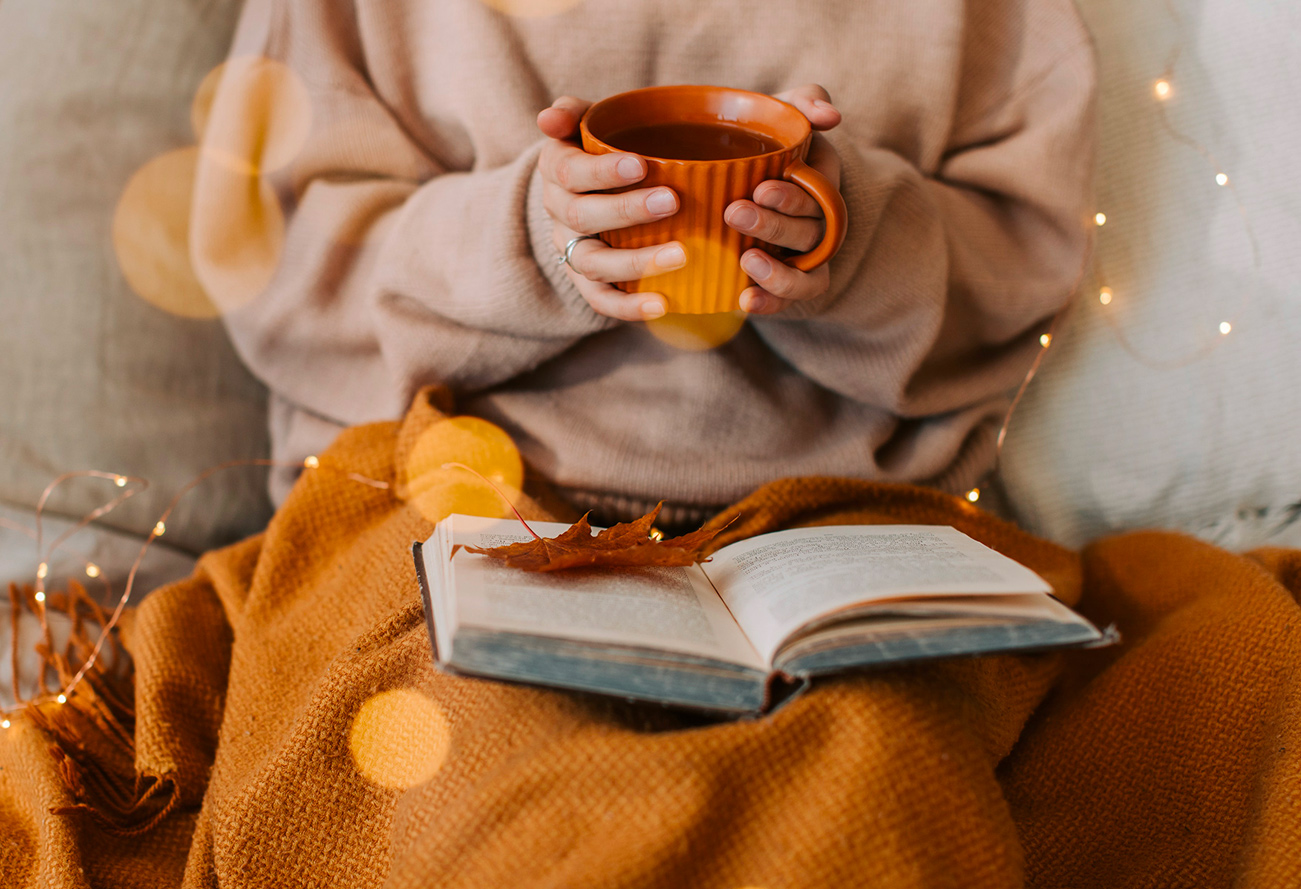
(712, 145)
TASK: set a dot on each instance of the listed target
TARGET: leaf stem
(500, 493)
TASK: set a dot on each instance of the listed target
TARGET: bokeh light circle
(201, 105)
(237, 235)
(456, 491)
(399, 738)
(252, 114)
(696, 333)
(438, 490)
(712, 259)
(151, 235)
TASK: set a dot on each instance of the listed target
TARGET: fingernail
(629, 168)
(752, 303)
(745, 217)
(661, 202)
(670, 258)
(819, 103)
(652, 309)
(767, 197)
(756, 266)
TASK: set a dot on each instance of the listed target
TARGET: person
(440, 178)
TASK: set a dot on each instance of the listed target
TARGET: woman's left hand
(786, 215)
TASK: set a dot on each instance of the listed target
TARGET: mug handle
(833, 208)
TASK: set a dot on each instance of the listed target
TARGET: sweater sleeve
(392, 271)
(943, 287)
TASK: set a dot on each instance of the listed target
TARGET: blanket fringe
(150, 801)
(92, 733)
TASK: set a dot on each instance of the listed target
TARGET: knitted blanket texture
(285, 726)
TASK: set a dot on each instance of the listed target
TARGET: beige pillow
(91, 374)
(1145, 414)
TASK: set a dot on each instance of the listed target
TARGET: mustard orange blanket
(289, 730)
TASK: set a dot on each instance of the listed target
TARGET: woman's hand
(568, 174)
(781, 213)
(784, 214)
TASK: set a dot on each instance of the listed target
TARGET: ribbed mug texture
(712, 280)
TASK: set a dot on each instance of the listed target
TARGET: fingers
(614, 303)
(590, 214)
(594, 265)
(781, 213)
(815, 103)
(778, 283)
(560, 121)
(568, 173)
(784, 214)
(793, 232)
(573, 169)
(786, 198)
(757, 301)
(604, 264)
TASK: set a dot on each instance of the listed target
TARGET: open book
(741, 631)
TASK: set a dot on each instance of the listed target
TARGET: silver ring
(564, 258)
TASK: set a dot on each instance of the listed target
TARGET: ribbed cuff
(609, 509)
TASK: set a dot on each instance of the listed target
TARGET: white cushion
(1183, 427)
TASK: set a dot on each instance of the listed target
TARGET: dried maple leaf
(626, 545)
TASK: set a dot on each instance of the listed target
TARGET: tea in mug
(693, 141)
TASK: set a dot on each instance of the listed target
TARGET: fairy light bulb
(40, 596)
(1162, 89)
(92, 570)
(1221, 179)
(312, 462)
(973, 495)
(1225, 328)
(1100, 219)
(1104, 296)
(1046, 340)
(160, 529)
(4, 723)
(120, 481)
(43, 570)
(62, 699)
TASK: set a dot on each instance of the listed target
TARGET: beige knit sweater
(418, 249)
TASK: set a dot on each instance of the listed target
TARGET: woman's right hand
(568, 175)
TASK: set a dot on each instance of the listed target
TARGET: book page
(776, 583)
(670, 609)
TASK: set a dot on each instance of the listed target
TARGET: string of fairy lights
(130, 486)
(1163, 90)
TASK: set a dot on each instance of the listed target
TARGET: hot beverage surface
(693, 141)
